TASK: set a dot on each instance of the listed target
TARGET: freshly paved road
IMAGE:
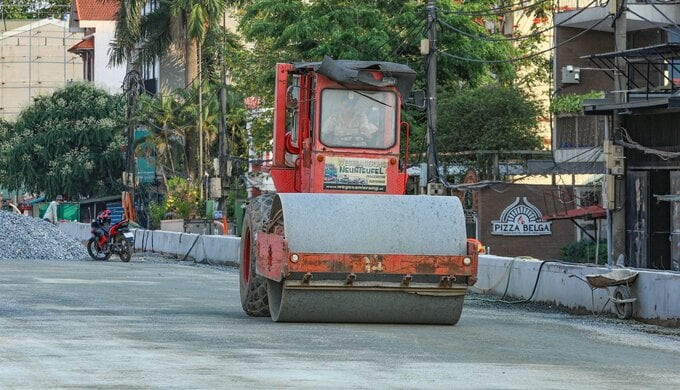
(159, 324)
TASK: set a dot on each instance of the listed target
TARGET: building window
(579, 131)
(150, 76)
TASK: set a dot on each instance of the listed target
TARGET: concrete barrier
(657, 292)
(220, 250)
(79, 231)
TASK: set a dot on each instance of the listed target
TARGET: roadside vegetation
(73, 142)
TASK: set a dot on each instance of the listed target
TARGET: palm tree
(143, 38)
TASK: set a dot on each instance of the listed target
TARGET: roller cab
(339, 241)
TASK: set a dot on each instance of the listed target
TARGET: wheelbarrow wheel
(623, 310)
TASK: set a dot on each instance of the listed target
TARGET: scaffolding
(34, 61)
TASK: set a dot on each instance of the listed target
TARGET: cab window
(358, 119)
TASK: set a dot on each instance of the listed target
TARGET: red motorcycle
(107, 240)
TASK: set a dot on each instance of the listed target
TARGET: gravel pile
(31, 238)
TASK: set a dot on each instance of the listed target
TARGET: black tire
(94, 252)
(623, 310)
(126, 253)
(252, 286)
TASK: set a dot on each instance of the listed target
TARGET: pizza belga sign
(521, 218)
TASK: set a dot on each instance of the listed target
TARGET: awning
(590, 212)
(84, 45)
(608, 106)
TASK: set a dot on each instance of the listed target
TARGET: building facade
(96, 21)
(34, 61)
(633, 125)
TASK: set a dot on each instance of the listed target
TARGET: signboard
(355, 174)
(521, 218)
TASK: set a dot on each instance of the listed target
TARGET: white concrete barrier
(658, 292)
(77, 230)
(221, 250)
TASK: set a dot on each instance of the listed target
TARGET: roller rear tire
(253, 287)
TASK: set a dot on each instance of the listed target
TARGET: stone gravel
(28, 238)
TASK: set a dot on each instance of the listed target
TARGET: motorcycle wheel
(95, 252)
(126, 251)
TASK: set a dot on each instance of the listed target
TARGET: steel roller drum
(368, 224)
(386, 224)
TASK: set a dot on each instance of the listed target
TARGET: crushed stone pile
(28, 238)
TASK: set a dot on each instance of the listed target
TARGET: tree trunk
(191, 152)
(190, 61)
(190, 76)
(200, 119)
(168, 150)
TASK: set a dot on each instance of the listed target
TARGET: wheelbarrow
(617, 283)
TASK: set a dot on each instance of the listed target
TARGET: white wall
(105, 76)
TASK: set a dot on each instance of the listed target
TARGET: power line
(675, 32)
(509, 60)
(496, 11)
(396, 36)
(518, 38)
(663, 14)
(397, 51)
(594, 150)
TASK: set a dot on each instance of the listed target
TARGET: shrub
(157, 212)
(583, 251)
(182, 198)
(572, 103)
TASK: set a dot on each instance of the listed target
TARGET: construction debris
(29, 238)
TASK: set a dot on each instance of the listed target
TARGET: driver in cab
(349, 126)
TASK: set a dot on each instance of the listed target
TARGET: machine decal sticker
(521, 218)
(355, 174)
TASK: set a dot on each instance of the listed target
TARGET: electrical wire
(509, 60)
(664, 15)
(397, 51)
(628, 142)
(496, 11)
(517, 38)
(533, 291)
(660, 26)
(396, 36)
(486, 183)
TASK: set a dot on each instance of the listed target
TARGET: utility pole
(132, 89)
(431, 69)
(201, 179)
(223, 142)
(617, 217)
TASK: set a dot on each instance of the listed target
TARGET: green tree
(31, 9)
(391, 30)
(489, 117)
(143, 38)
(70, 142)
(171, 120)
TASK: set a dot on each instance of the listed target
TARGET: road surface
(167, 325)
